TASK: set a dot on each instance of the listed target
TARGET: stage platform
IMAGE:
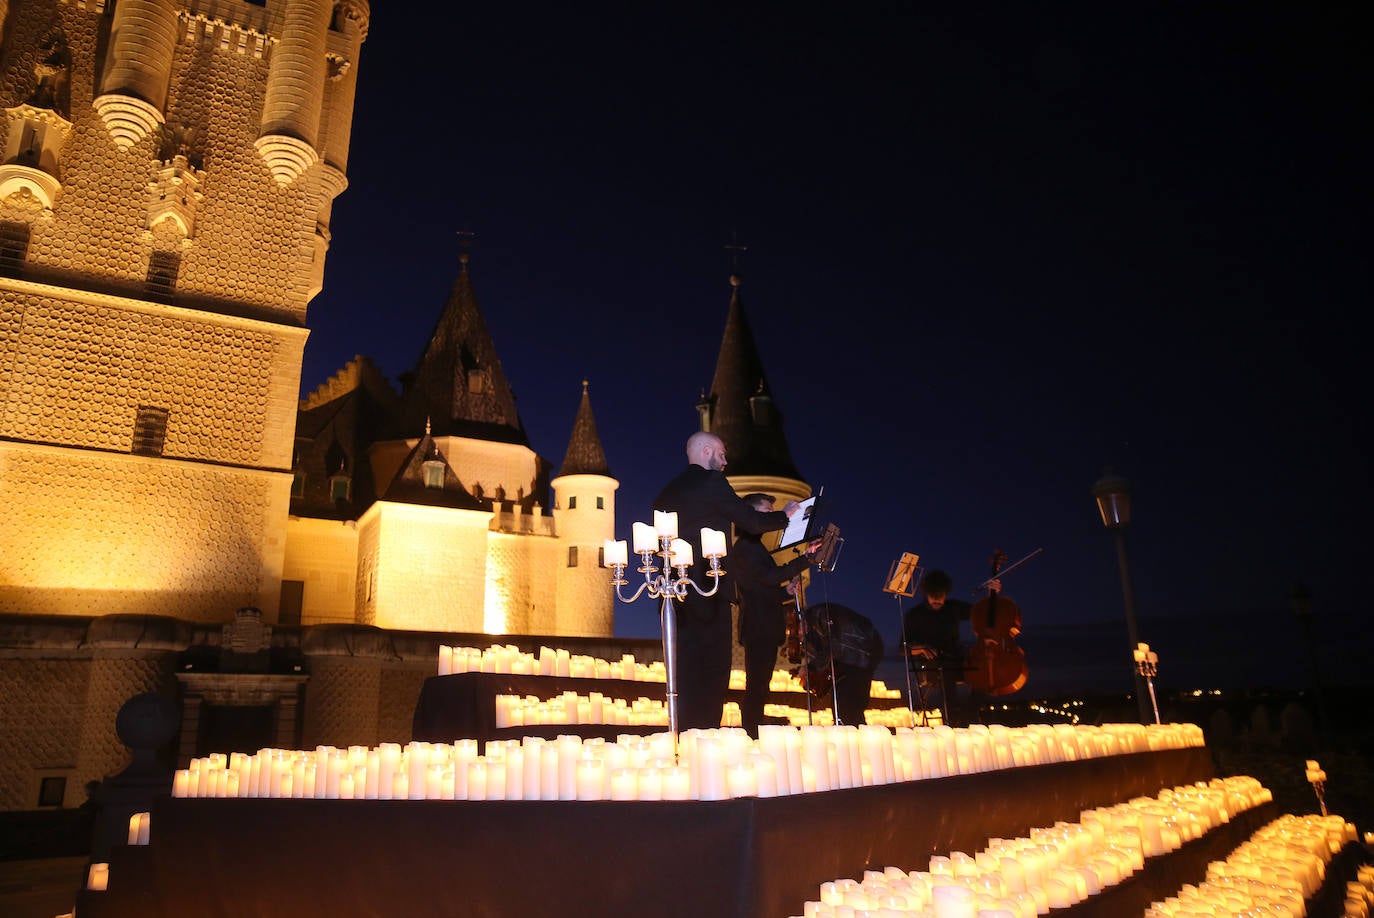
(742, 857)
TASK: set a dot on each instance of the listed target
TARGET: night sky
(989, 253)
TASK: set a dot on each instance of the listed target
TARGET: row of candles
(572, 709)
(507, 658)
(1053, 867)
(550, 661)
(1273, 872)
(706, 765)
(594, 708)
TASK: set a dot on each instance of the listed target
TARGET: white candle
(712, 543)
(615, 552)
(590, 775)
(741, 780)
(765, 773)
(623, 783)
(709, 766)
(496, 779)
(569, 751)
(676, 783)
(665, 524)
(951, 901)
(477, 780)
(679, 553)
(98, 878)
(135, 821)
(649, 783)
(181, 784)
(645, 539)
(346, 786)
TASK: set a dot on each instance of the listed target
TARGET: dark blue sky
(990, 252)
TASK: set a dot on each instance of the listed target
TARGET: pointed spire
(459, 382)
(585, 455)
(740, 408)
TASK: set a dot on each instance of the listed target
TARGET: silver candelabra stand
(1147, 664)
(670, 586)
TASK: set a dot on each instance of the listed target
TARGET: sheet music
(798, 524)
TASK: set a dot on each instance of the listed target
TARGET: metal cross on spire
(465, 237)
(735, 248)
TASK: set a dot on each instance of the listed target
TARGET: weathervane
(735, 248)
(465, 237)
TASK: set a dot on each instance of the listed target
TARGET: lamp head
(1113, 495)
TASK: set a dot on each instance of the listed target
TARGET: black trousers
(760, 659)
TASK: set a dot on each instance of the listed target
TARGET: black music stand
(902, 579)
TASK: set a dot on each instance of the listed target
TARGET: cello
(994, 664)
(802, 646)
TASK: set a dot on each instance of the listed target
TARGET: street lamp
(1301, 603)
(1113, 495)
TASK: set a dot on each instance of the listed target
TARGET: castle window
(339, 487)
(52, 790)
(162, 272)
(14, 245)
(298, 484)
(150, 431)
(572, 556)
(572, 502)
(601, 503)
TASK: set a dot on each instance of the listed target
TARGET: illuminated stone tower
(168, 172)
(586, 519)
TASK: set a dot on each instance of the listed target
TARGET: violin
(994, 664)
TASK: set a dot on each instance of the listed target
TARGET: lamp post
(1301, 603)
(1113, 495)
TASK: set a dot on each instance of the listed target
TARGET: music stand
(902, 578)
(808, 524)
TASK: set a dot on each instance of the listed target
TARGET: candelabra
(1317, 778)
(670, 586)
(1147, 665)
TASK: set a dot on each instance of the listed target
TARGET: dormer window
(761, 407)
(477, 381)
(434, 474)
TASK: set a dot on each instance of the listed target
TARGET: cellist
(763, 610)
(931, 634)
